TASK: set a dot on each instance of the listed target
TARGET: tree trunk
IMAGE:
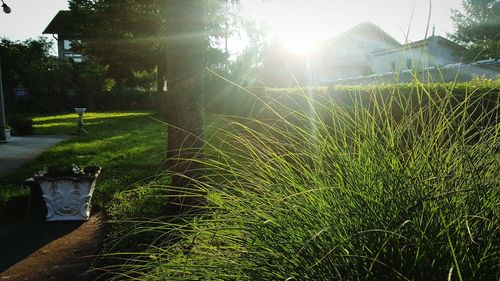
(186, 54)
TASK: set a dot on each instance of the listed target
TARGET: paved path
(21, 150)
(36, 250)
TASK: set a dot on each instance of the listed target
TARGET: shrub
(227, 99)
(21, 125)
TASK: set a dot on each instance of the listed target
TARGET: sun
(300, 26)
(298, 35)
(298, 41)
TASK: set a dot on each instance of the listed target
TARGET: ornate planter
(67, 192)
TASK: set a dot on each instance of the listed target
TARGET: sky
(28, 18)
(300, 23)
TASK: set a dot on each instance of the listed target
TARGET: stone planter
(66, 192)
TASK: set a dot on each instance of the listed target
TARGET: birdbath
(80, 111)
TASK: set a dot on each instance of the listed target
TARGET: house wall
(346, 57)
(400, 59)
(446, 53)
(433, 52)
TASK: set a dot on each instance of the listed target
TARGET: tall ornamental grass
(391, 186)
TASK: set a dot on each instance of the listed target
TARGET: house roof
(368, 30)
(421, 43)
(63, 23)
(440, 39)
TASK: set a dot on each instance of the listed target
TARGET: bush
(21, 125)
(227, 99)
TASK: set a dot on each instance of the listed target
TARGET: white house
(367, 50)
(350, 54)
(434, 51)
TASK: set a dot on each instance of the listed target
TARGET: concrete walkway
(21, 150)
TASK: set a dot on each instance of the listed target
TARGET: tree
(478, 27)
(126, 36)
(29, 64)
(174, 35)
(186, 56)
(53, 84)
(121, 34)
(129, 35)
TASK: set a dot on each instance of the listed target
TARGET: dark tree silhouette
(186, 55)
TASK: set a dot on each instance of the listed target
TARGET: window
(75, 57)
(409, 63)
(68, 43)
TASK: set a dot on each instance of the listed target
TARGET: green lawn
(129, 146)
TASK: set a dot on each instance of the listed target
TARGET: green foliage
(21, 125)
(58, 85)
(478, 28)
(145, 81)
(28, 64)
(225, 98)
(242, 69)
(380, 185)
(53, 84)
(125, 35)
(129, 36)
(88, 82)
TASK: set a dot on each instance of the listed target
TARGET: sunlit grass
(389, 186)
(129, 146)
(67, 123)
(88, 115)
